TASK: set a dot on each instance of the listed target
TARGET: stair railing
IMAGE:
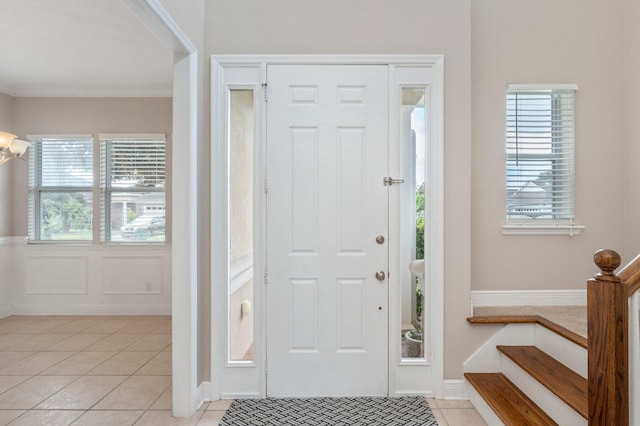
(611, 298)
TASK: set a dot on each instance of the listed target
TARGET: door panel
(327, 314)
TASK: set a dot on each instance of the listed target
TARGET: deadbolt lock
(380, 275)
(388, 181)
(380, 239)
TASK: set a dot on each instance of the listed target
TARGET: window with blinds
(128, 186)
(61, 188)
(132, 176)
(540, 154)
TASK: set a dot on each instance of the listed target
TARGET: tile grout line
(128, 376)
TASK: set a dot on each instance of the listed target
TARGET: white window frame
(36, 189)
(106, 189)
(522, 226)
(97, 189)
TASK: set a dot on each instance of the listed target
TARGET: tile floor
(116, 370)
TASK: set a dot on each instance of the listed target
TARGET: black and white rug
(403, 411)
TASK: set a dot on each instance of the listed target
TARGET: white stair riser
(572, 355)
(481, 406)
(487, 358)
(555, 408)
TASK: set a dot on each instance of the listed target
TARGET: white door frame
(248, 380)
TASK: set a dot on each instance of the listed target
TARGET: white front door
(327, 155)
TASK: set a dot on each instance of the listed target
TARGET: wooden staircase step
(509, 403)
(531, 319)
(565, 383)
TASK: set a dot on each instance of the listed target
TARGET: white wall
(547, 41)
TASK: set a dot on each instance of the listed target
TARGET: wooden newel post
(608, 313)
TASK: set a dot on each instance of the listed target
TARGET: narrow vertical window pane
(60, 185)
(413, 127)
(241, 166)
(133, 176)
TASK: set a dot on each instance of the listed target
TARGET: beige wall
(85, 116)
(632, 129)
(6, 112)
(6, 125)
(546, 41)
(381, 27)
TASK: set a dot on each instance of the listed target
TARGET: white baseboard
(6, 311)
(529, 298)
(203, 394)
(454, 389)
(91, 310)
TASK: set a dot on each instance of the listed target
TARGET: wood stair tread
(565, 383)
(531, 319)
(509, 403)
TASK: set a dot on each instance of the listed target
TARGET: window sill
(89, 245)
(99, 243)
(542, 229)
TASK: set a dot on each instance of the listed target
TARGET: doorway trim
(184, 273)
(256, 65)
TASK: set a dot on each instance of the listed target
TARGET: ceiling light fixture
(11, 148)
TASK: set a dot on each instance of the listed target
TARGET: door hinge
(266, 187)
(266, 276)
(266, 366)
(265, 86)
(388, 181)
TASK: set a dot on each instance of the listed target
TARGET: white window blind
(61, 188)
(540, 154)
(132, 175)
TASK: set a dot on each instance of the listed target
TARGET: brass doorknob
(380, 275)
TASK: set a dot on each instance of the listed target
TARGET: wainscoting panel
(77, 279)
(57, 275)
(132, 275)
(8, 259)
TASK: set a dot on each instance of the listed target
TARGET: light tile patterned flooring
(109, 370)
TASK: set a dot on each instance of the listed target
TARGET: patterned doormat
(404, 411)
